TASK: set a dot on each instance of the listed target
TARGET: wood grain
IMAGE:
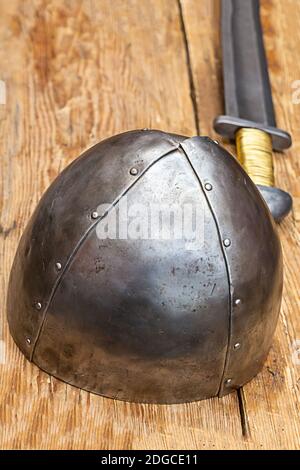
(76, 72)
(272, 399)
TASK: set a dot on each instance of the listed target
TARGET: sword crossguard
(227, 126)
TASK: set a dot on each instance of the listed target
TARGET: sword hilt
(254, 151)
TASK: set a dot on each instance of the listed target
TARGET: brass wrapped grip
(254, 151)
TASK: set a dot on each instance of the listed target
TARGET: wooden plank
(272, 398)
(76, 72)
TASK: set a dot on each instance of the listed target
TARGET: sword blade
(246, 80)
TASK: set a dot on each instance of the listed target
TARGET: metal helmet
(148, 318)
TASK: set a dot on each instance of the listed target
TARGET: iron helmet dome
(148, 320)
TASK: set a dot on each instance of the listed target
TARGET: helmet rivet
(208, 186)
(237, 346)
(38, 305)
(28, 340)
(58, 266)
(228, 382)
(134, 171)
(216, 142)
(95, 215)
(237, 302)
(227, 242)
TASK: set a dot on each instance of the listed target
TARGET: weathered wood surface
(76, 72)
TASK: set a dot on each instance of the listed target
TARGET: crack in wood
(243, 412)
(189, 68)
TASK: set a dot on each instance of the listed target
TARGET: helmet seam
(227, 267)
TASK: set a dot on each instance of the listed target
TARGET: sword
(250, 118)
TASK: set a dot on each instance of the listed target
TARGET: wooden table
(73, 73)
